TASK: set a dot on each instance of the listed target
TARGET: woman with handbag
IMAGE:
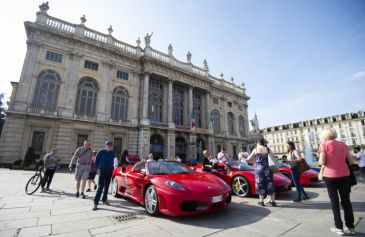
(334, 157)
(293, 159)
(264, 179)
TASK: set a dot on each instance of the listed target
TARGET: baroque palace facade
(77, 84)
(350, 129)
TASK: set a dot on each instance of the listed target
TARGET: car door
(134, 181)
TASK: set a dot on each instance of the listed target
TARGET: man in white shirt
(361, 158)
(223, 156)
(243, 155)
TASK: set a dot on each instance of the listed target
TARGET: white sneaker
(361, 179)
(267, 200)
(352, 231)
(337, 231)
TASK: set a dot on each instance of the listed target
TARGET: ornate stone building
(77, 83)
(350, 129)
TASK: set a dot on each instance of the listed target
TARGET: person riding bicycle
(50, 164)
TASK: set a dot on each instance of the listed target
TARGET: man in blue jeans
(104, 162)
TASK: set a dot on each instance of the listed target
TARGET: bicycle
(35, 181)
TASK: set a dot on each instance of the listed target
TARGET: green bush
(29, 157)
(17, 162)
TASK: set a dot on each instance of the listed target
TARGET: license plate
(216, 199)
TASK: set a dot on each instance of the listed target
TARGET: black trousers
(340, 186)
(48, 176)
(103, 185)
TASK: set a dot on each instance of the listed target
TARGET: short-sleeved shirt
(51, 161)
(242, 156)
(83, 155)
(361, 157)
(105, 159)
(291, 157)
(335, 163)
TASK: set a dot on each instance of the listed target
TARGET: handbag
(302, 166)
(352, 177)
(320, 173)
(273, 162)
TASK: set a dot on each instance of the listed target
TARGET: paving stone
(18, 223)
(80, 225)
(9, 233)
(35, 231)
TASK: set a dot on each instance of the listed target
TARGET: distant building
(77, 84)
(350, 129)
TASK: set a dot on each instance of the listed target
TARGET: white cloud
(358, 74)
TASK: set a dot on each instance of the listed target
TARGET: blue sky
(298, 59)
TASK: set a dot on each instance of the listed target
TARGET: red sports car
(170, 188)
(241, 178)
(309, 177)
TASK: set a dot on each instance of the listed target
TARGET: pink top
(335, 165)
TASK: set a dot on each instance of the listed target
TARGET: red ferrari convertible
(241, 178)
(309, 177)
(170, 188)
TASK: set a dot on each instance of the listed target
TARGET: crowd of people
(334, 157)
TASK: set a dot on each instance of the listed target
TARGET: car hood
(199, 183)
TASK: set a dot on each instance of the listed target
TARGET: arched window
(87, 92)
(241, 124)
(197, 109)
(46, 90)
(230, 121)
(216, 122)
(155, 101)
(178, 105)
(120, 103)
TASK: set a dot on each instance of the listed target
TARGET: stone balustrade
(80, 30)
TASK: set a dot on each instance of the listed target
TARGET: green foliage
(29, 157)
(17, 162)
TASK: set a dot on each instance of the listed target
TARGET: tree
(2, 112)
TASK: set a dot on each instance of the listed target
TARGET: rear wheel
(240, 186)
(33, 184)
(151, 201)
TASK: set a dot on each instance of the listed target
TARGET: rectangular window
(240, 107)
(122, 75)
(54, 57)
(91, 65)
(215, 101)
(80, 140)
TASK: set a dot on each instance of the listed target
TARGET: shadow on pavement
(225, 218)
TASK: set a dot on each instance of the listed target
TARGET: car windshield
(283, 165)
(167, 167)
(236, 165)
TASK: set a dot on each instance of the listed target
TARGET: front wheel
(240, 186)
(151, 201)
(33, 184)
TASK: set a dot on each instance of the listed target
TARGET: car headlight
(174, 185)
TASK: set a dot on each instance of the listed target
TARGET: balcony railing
(80, 31)
(41, 111)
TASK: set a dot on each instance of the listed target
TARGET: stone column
(70, 86)
(169, 105)
(146, 84)
(192, 147)
(170, 144)
(208, 112)
(25, 81)
(103, 104)
(225, 124)
(237, 125)
(190, 108)
(143, 143)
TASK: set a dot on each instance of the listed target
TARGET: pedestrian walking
(361, 158)
(264, 179)
(92, 173)
(50, 164)
(104, 162)
(292, 158)
(83, 159)
(334, 156)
